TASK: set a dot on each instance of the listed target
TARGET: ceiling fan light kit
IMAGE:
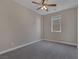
(43, 5)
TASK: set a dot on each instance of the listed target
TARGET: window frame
(52, 18)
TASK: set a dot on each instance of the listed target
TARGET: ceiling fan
(43, 5)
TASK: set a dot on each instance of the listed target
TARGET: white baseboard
(67, 43)
(20, 46)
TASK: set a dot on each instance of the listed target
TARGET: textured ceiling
(61, 5)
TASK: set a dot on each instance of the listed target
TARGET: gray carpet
(43, 50)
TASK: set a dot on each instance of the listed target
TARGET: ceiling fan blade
(43, 1)
(38, 8)
(50, 4)
(35, 2)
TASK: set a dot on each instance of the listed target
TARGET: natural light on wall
(56, 24)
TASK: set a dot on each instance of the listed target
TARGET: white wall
(68, 26)
(18, 25)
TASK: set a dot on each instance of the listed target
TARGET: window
(56, 24)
